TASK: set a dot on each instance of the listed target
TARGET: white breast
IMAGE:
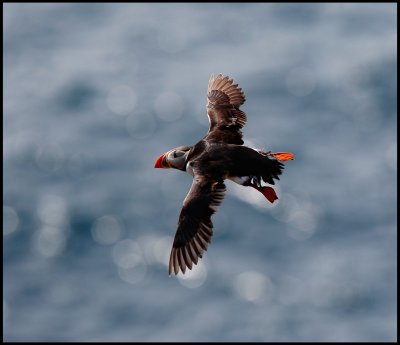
(189, 169)
(239, 179)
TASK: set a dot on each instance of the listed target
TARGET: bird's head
(175, 158)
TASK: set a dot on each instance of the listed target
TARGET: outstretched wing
(195, 226)
(226, 119)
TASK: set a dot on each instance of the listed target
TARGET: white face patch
(176, 158)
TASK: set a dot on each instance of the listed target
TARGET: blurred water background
(94, 93)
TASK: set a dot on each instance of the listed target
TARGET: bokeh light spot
(162, 249)
(303, 225)
(106, 230)
(121, 99)
(128, 257)
(49, 241)
(194, 278)
(303, 220)
(286, 204)
(10, 220)
(253, 286)
(123, 249)
(134, 272)
(52, 210)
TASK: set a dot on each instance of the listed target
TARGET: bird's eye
(175, 154)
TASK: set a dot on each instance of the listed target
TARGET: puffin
(218, 156)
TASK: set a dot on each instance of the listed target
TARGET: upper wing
(226, 120)
(195, 226)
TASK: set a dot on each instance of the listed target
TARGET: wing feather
(226, 119)
(192, 253)
(186, 256)
(194, 226)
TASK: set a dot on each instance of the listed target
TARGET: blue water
(94, 93)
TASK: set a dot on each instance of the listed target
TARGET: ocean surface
(94, 93)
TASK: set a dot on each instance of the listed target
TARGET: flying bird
(218, 156)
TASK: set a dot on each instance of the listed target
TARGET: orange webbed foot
(282, 156)
(268, 192)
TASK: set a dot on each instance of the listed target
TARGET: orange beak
(161, 163)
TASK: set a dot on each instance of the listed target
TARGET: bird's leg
(268, 192)
(257, 181)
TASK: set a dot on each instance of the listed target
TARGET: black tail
(273, 168)
(272, 171)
